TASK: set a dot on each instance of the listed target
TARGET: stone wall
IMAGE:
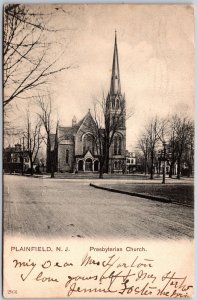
(62, 165)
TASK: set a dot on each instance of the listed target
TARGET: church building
(76, 148)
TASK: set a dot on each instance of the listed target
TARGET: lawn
(177, 193)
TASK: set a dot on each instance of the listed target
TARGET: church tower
(116, 112)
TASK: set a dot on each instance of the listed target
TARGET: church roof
(65, 133)
(68, 132)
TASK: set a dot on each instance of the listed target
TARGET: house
(130, 162)
(15, 159)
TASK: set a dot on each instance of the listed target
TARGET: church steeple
(115, 78)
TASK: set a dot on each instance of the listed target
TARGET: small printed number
(12, 291)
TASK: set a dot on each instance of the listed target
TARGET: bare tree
(11, 134)
(107, 124)
(46, 118)
(183, 129)
(176, 136)
(32, 138)
(26, 60)
(154, 133)
(188, 156)
(172, 151)
(143, 146)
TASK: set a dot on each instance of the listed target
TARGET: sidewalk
(111, 178)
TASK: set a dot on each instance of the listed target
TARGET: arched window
(88, 143)
(117, 145)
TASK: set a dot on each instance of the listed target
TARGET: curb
(150, 197)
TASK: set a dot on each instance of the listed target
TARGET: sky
(156, 60)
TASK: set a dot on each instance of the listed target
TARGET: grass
(179, 193)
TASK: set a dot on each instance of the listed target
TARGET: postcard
(98, 154)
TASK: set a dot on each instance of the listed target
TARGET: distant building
(14, 159)
(76, 149)
(130, 162)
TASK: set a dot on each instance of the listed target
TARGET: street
(37, 207)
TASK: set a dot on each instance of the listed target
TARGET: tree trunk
(101, 174)
(151, 168)
(52, 164)
(101, 169)
(145, 165)
(159, 167)
(171, 170)
(48, 163)
(191, 170)
(49, 155)
(31, 166)
(189, 173)
(178, 168)
(106, 164)
(52, 172)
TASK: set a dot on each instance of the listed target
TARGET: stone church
(76, 149)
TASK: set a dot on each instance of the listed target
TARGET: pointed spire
(115, 78)
(74, 121)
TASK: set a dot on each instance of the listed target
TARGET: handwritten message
(108, 272)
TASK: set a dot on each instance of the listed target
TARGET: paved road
(39, 207)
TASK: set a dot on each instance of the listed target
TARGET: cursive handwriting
(109, 275)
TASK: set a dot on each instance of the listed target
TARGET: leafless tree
(32, 139)
(11, 134)
(154, 133)
(183, 129)
(46, 117)
(172, 152)
(26, 60)
(107, 124)
(176, 135)
(143, 146)
(188, 156)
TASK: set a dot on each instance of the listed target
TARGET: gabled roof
(68, 132)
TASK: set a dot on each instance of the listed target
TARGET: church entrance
(80, 165)
(88, 165)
